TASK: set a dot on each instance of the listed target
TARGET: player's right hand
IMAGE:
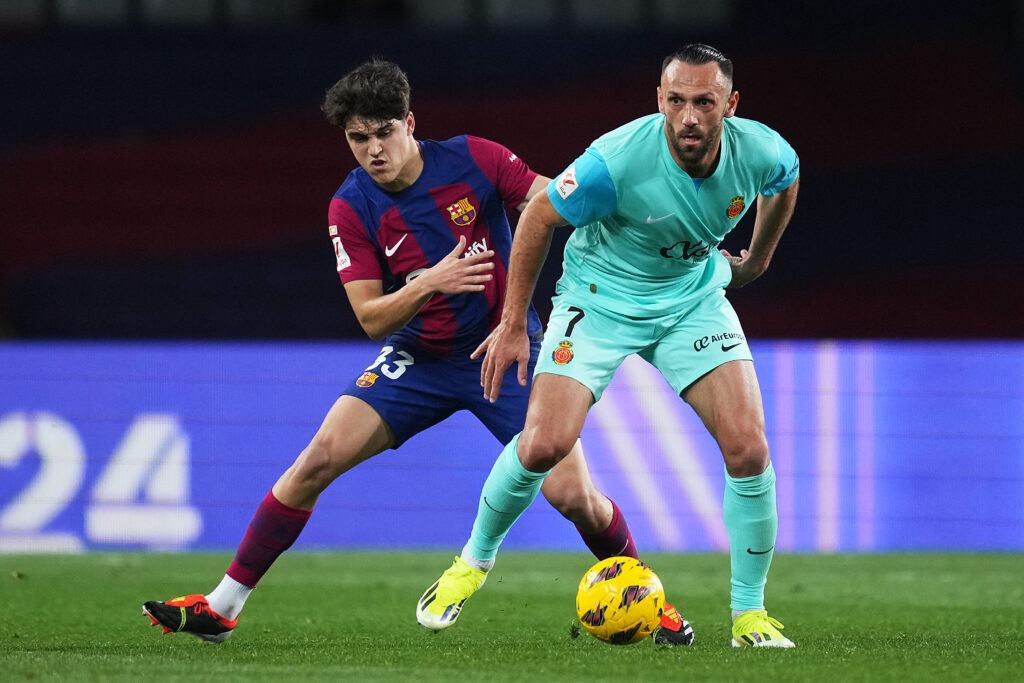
(744, 268)
(506, 344)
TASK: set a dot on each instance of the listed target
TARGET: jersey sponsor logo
(735, 207)
(388, 251)
(686, 250)
(706, 342)
(333, 230)
(367, 379)
(512, 156)
(477, 247)
(462, 212)
(566, 183)
(651, 219)
(339, 254)
(563, 354)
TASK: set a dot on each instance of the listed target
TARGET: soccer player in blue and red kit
(422, 243)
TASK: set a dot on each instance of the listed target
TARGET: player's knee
(746, 455)
(316, 467)
(540, 452)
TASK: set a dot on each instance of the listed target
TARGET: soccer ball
(620, 600)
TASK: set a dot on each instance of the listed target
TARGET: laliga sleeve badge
(367, 379)
(563, 354)
(566, 183)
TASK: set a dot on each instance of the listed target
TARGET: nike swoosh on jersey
(658, 220)
(388, 251)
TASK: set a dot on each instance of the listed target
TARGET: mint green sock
(508, 491)
(752, 523)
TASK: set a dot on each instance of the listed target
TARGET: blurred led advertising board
(878, 446)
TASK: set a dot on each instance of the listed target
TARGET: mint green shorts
(588, 343)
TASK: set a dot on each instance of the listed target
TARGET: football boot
(190, 614)
(673, 629)
(442, 603)
(757, 629)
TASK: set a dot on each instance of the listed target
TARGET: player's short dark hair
(376, 90)
(699, 53)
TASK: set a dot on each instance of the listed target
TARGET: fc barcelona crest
(563, 354)
(367, 379)
(462, 212)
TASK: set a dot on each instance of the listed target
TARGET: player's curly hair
(376, 90)
(699, 53)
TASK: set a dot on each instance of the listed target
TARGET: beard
(693, 154)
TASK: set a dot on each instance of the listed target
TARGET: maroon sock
(613, 541)
(273, 529)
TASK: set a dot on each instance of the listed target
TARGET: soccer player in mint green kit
(643, 274)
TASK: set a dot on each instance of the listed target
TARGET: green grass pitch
(350, 616)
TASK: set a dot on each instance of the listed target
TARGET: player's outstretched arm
(539, 185)
(508, 342)
(773, 214)
(381, 314)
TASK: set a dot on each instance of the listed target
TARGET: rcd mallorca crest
(563, 354)
(462, 212)
(735, 207)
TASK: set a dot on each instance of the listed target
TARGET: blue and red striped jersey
(466, 186)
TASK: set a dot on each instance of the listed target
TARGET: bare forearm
(381, 314)
(773, 215)
(391, 312)
(508, 343)
(529, 250)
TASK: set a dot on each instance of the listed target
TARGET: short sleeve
(356, 255)
(585, 191)
(785, 171)
(510, 174)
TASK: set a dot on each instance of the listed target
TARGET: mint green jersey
(647, 234)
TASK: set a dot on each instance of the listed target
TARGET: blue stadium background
(165, 177)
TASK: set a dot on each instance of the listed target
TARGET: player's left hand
(744, 268)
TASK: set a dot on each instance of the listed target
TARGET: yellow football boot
(757, 629)
(441, 604)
